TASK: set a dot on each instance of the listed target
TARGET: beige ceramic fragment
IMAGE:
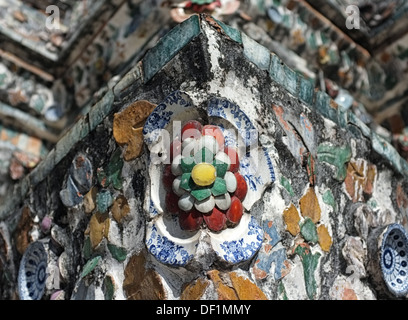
(141, 283)
(120, 208)
(309, 206)
(98, 228)
(291, 218)
(89, 200)
(23, 238)
(128, 126)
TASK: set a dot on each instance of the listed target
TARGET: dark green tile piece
(90, 266)
(118, 253)
(87, 248)
(219, 187)
(104, 200)
(168, 46)
(306, 90)
(354, 120)
(108, 288)
(220, 167)
(385, 149)
(286, 184)
(201, 193)
(187, 164)
(290, 79)
(276, 69)
(114, 169)
(325, 106)
(187, 182)
(256, 53)
(231, 32)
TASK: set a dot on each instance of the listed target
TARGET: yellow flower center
(203, 174)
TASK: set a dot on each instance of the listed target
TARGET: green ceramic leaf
(219, 187)
(114, 169)
(108, 288)
(187, 164)
(117, 252)
(308, 231)
(187, 182)
(87, 248)
(104, 200)
(201, 193)
(89, 266)
(221, 168)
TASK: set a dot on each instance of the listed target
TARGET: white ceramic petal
(210, 143)
(223, 202)
(176, 187)
(230, 181)
(205, 205)
(240, 243)
(222, 157)
(170, 244)
(186, 202)
(157, 193)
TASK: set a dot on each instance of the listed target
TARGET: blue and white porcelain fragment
(238, 244)
(394, 259)
(169, 243)
(33, 272)
(165, 240)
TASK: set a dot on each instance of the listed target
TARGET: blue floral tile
(394, 259)
(169, 244)
(240, 243)
(33, 272)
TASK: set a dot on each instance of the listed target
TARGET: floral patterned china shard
(33, 272)
(206, 171)
(394, 259)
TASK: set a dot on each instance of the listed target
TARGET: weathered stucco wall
(335, 186)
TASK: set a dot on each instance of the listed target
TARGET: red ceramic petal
(216, 132)
(242, 187)
(233, 155)
(216, 220)
(190, 221)
(168, 178)
(192, 129)
(235, 211)
(172, 202)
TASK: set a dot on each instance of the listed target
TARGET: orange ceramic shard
(325, 241)
(291, 218)
(309, 206)
(128, 126)
(195, 290)
(246, 289)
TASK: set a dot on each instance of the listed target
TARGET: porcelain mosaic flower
(202, 182)
(206, 171)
